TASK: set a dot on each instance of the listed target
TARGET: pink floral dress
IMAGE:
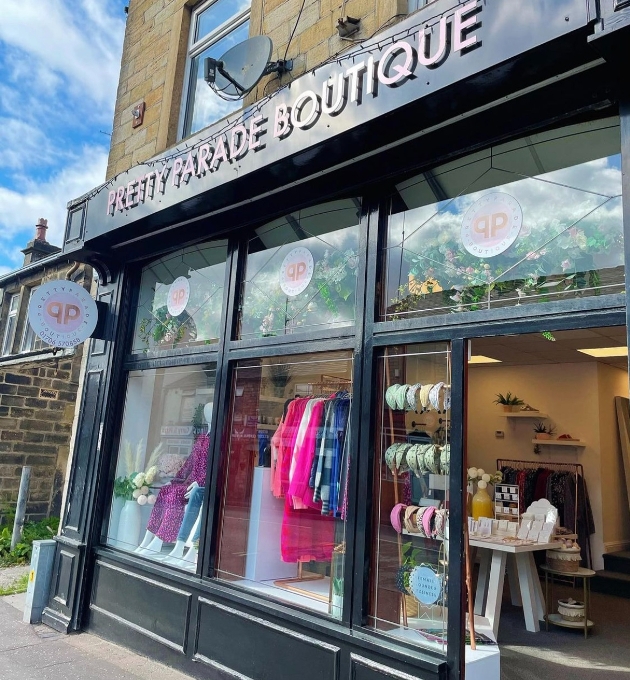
(170, 506)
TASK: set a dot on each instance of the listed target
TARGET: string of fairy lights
(243, 117)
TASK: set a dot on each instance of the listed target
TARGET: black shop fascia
(388, 96)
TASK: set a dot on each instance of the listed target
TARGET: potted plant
(508, 401)
(541, 431)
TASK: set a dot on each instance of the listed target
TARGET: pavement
(36, 652)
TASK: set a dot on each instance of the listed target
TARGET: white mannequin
(189, 560)
(178, 551)
(150, 544)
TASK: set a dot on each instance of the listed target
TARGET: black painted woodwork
(215, 630)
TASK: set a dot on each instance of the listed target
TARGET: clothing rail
(535, 464)
(576, 468)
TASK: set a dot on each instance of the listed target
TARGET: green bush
(32, 531)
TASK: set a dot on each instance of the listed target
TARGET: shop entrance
(549, 412)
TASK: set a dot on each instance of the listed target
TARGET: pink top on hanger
(299, 490)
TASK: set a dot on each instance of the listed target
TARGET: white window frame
(28, 330)
(196, 48)
(10, 324)
(415, 5)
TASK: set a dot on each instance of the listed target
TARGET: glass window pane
(301, 272)
(533, 220)
(162, 461)
(9, 329)
(286, 459)
(219, 13)
(414, 5)
(31, 341)
(408, 594)
(204, 105)
(181, 299)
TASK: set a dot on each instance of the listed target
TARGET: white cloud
(78, 41)
(23, 145)
(20, 209)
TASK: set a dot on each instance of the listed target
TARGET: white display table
(525, 587)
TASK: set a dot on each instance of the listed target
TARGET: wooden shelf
(576, 443)
(524, 414)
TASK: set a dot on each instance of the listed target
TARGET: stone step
(618, 561)
(611, 583)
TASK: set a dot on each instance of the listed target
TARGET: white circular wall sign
(296, 271)
(491, 224)
(425, 584)
(178, 296)
(62, 313)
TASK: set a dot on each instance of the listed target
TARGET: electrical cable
(338, 57)
(294, 29)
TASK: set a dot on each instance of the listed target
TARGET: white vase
(128, 535)
(114, 520)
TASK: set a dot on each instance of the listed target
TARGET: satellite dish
(240, 69)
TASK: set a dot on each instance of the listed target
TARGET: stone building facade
(153, 69)
(38, 387)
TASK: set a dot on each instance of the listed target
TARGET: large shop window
(301, 272)
(285, 464)
(215, 27)
(181, 299)
(162, 460)
(534, 220)
(409, 576)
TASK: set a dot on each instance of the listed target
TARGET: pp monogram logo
(296, 271)
(64, 314)
(178, 296)
(491, 225)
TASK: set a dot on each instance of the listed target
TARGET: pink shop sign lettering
(371, 75)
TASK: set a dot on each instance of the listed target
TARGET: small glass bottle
(481, 502)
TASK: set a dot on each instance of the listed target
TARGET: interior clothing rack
(576, 468)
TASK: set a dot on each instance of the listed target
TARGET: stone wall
(36, 411)
(38, 393)
(155, 49)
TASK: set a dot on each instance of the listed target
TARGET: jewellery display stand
(505, 497)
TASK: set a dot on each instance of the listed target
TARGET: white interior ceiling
(534, 348)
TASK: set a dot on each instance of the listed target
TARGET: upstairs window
(414, 5)
(9, 327)
(31, 342)
(215, 28)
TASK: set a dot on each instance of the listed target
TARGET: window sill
(38, 355)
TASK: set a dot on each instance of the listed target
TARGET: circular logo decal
(178, 296)
(296, 271)
(62, 313)
(491, 224)
(425, 584)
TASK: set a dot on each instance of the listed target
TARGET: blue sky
(59, 66)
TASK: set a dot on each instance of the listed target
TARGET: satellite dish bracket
(249, 61)
(280, 67)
